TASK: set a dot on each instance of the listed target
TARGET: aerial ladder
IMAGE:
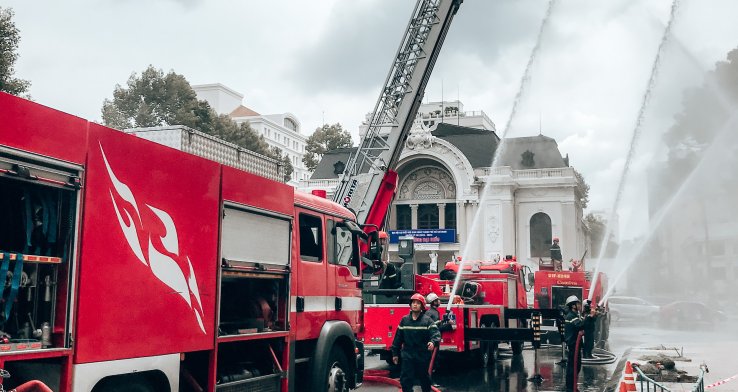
(369, 180)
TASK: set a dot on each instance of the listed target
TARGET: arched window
(428, 216)
(290, 124)
(540, 235)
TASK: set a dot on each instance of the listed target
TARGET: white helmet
(431, 297)
(571, 300)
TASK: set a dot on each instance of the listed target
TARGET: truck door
(311, 300)
(343, 275)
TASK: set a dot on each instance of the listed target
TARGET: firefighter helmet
(571, 299)
(418, 297)
(556, 239)
(383, 235)
(431, 297)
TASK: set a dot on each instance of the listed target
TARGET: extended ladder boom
(379, 150)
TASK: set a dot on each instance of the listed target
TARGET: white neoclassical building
(455, 203)
(279, 130)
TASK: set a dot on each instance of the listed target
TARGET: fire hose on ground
(600, 356)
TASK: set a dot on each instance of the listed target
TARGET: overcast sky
(329, 58)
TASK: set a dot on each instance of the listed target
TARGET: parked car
(632, 308)
(689, 314)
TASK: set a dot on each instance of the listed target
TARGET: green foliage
(154, 99)
(582, 190)
(9, 39)
(706, 111)
(597, 228)
(276, 153)
(325, 138)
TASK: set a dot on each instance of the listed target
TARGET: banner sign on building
(435, 236)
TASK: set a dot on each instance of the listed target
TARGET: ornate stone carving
(493, 229)
(420, 137)
(427, 183)
(428, 190)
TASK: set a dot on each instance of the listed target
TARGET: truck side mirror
(375, 247)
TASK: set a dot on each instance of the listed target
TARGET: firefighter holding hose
(416, 338)
(574, 323)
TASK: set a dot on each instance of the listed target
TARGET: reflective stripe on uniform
(420, 328)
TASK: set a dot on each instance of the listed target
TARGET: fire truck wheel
(128, 386)
(488, 350)
(338, 371)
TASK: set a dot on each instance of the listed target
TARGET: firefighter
(556, 257)
(573, 323)
(589, 330)
(416, 338)
(434, 303)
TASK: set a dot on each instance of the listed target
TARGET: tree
(597, 228)
(706, 111)
(9, 38)
(325, 138)
(154, 99)
(276, 153)
(582, 190)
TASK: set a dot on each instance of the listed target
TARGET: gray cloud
(354, 52)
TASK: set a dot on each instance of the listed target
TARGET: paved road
(715, 345)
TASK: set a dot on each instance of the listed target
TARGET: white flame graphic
(163, 267)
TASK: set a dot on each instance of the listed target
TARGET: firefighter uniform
(411, 344)
(556, 258)
(573, 323)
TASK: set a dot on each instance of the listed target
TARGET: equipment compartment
(253, 365)
(252, 302)
(38, 208)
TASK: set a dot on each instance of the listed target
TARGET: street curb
(613, 382)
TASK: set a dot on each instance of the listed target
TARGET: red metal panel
(28, 126)
(252, 190)
(321, 204)
(380, 323)
(149, 250)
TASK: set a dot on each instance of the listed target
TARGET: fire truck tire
(132, 386)
(337, 378)
(488, 350)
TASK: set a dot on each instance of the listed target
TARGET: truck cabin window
(311, 238)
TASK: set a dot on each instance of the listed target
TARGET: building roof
(544, 150)
(243, 111)
(477, 145)
(326, 168)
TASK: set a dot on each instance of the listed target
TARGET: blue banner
(433, 236)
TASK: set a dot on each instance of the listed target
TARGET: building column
(414, 216)
(393, 217)
(461, 228)
(441, 215)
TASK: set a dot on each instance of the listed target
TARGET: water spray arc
(474, 233)
(720, 140)
(635, 138)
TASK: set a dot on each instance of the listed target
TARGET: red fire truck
(135, 266)
(491, 307)
(552, 287)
